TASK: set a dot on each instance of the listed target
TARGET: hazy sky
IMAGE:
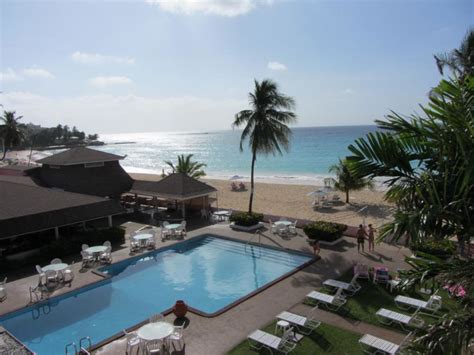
(183, 65)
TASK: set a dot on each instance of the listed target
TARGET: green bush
(324, 231)
(439, 248)
(245, 219)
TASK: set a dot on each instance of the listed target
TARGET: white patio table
(142, 238)
(55, 267)
(155, 331)
(96, 250)
(222, 215)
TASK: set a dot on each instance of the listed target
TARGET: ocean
(313, 150)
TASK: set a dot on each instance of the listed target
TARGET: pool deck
(220, 334)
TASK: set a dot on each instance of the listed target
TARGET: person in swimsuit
(316, 247)
(372, 231)
(361, 234)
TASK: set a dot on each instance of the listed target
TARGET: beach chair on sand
(433, 304)
(388, 317)
(331, 302)
(373, 345)
(305, 325)
(260, 339)
(350, 288)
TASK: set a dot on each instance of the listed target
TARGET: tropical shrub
(441, 248)
(246, 219)
(324, 231)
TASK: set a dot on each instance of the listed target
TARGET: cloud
(35, 72)
(9, 75)
(229, 8)
(348, 91)
(95, 58)
(125, 113)
(104, 81)
(276, 66)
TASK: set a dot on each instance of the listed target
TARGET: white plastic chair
(51, 276)
(56, 261)
(68, 276)
(107, 244)
(85, 246)
(87, 259)
(292, 227)
(177, 337)
(133, 342)
(154, 347)
(3, 290)
(156, 318)
(273, 226)
(204, 214)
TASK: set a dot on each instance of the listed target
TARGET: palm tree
(347, 180)
(10, 131)
(187, 166)
(265, 123)
(460, 60)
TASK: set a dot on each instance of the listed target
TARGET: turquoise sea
(313, 150)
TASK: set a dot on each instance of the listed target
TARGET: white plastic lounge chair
(271, 342)
(350, 288)
(388, 317)
(373, 345)
(3, 290)
(362, 271)
(332, 302)
(434, 303)
(305, 325)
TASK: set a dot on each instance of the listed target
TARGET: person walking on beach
(361, 234)
(372, 231)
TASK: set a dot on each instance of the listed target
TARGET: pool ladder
(252, 237)
(82, 350)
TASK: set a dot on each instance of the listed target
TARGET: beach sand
(292, 201)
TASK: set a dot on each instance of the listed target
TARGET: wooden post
(110, 221)
(184, 210)
(56, 233)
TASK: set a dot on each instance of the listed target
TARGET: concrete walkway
(220, 334)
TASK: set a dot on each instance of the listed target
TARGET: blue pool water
(208, 273)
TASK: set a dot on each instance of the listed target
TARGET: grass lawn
(326, 339)
(365, 303)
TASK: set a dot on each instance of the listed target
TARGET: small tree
(10, 131)
(187, 166)
(347, 180)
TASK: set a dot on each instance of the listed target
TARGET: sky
(184, 65)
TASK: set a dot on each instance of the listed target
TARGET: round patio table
(143, 236)
(155, 331)
(222, 213)
(283, 223)
(96, 250)
(55, 267)
(173, 226)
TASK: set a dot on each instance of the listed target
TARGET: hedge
(324, 231)
(68, 245)
(440, 248)
(245, 219)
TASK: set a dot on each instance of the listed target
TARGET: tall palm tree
(187, 166)
(346, 180)
(266, 123)
(10, 131)
(460, 60)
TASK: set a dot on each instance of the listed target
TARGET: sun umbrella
(236, 177)
(318, 193)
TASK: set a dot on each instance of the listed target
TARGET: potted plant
(245, 221)
(325, 232)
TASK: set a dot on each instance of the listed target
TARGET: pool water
(209, 273)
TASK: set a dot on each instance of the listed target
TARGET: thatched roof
(79, 155)
(26, 209)
(174, 186)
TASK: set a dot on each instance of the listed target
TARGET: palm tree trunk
(4, 153)
(254, 157)
(347, 196)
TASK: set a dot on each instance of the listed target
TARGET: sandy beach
(292, 201)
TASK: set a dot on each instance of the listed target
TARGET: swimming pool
(210, 273)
